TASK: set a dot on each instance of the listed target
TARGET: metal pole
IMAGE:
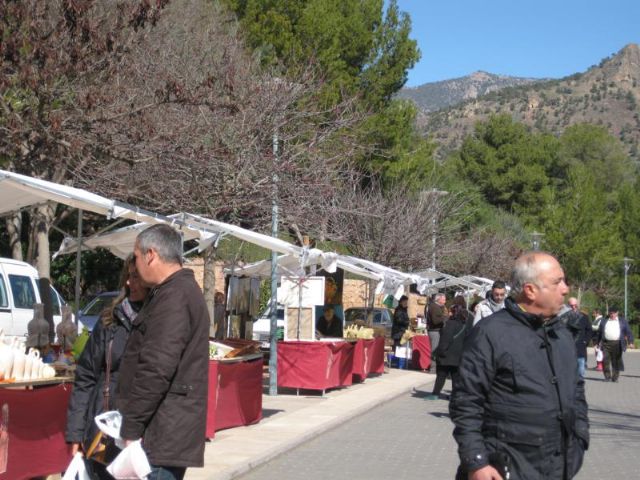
(273, 328)
(78, 265)
(627, 265)
(433, 243)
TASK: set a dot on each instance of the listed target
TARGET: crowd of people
(517, 364)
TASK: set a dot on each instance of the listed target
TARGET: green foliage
(582, 229)
(357, 46)
(401, 154)
(510, 166)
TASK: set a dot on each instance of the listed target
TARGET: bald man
(518, 403)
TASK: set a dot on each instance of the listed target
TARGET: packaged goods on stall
(232, 348)
(355, 331)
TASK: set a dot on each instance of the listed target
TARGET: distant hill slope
(607, 94)
(437, 95)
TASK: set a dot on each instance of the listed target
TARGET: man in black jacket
(579, 325)
(518, 402)
(163, 384)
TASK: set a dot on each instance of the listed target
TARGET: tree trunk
(209, 285)
(43, 219)
(14, 230)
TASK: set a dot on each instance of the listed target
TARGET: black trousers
(612, 359)
(442, 371)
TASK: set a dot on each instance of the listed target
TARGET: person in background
(437, 315)
(613, 337)
(110, 334)
(449, 349)
(579, 325)
(400, 320)
(595, 324)
(493, 302)
(330, 325)
(163, 386)
(219, 316)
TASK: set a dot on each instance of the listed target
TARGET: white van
(18, 292)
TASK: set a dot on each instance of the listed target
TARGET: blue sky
(524, 38)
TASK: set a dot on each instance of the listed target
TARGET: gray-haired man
(518, 403)
(163, 385)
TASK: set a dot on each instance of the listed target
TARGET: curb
(281, 448)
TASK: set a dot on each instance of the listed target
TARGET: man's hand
(127, 442)
(485, 473)
(75, 448)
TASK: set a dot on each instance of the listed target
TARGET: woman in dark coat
(88, 399)
(400, 320)
(449, 350)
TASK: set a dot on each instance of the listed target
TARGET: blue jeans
(166, 473)
(582, 361)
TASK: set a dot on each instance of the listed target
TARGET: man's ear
(530, 291)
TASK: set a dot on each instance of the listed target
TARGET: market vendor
(329, 325)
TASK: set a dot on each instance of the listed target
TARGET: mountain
(436, 95)
(607, 94)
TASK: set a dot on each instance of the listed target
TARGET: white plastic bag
(599, 355)
(130, 464)
(76, 470)
(109, 423)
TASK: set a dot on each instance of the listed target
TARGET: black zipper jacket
(519, 393)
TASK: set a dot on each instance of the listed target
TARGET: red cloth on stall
(239, 394)
(235, 395)
(368, 357)
(37, 420)
(315, 365)
(377, 355)
(421, 354)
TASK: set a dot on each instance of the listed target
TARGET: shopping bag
(131, 463)
(599, 355)
(76, 470)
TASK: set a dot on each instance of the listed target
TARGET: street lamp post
(535, 240)
(627, 266)
(435, 193)
(273, 320)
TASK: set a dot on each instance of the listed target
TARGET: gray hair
(439, 296)
(524, 271)
(165, 240)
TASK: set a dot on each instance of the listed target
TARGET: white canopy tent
(19, 191)
(120, 241)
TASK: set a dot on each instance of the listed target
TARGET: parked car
(380, 318)
(262, 326)
(19, 290)
(90, 314)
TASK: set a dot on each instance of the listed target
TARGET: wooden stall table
(368, 357)
(235, 393)
(37, 421)
(421, 352)
(315, 365)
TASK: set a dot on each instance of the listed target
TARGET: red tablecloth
(37, 421)
(421, 354)
(315, 365)
(235, 395)
(368, 357)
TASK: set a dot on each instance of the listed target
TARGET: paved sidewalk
(291, 420)
(410, 438)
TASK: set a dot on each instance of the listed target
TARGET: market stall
(235, 393)
(32, 427)
(315, 365)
